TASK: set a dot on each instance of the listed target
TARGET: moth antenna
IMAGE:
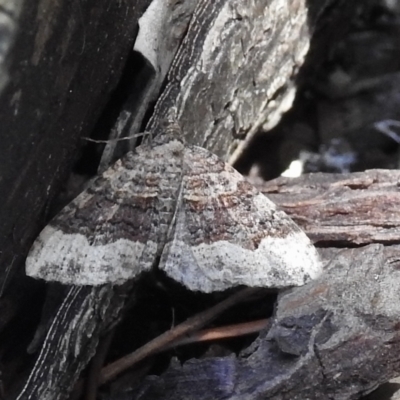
(106, 141)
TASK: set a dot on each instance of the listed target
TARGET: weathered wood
(161, 29)
(237, 68)
(334, 338)
(85, 313)
(342, 209)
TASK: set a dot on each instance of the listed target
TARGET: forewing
(227, 233)
(113, 230)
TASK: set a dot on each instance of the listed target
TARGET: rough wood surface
(342, 209)
(71, 339)
(334, 338)
(161, 29)
(246, 44)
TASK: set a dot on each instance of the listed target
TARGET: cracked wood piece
(161, 29)
(212, 229)
(226, 69)
(342, 209)
(71, 340)
(335, 338)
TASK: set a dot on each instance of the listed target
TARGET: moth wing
(108, 234)
(226, 233)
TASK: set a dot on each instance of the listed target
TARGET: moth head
(171, 128)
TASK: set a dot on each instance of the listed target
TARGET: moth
(180, 208)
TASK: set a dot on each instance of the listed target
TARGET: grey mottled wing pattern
(226, 233)
(212, 228)
(117, 227)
